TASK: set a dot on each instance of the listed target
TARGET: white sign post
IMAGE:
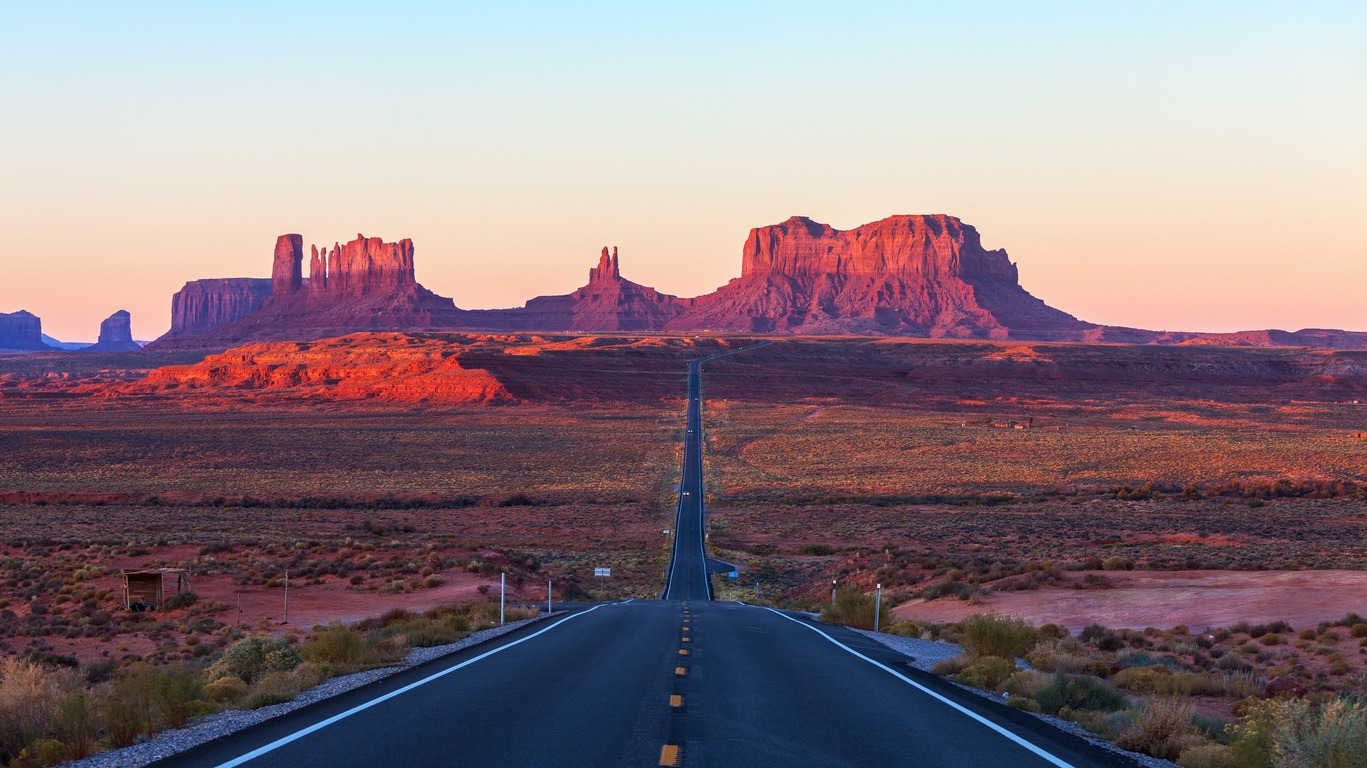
(602, 573)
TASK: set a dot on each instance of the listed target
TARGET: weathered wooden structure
(148, 589)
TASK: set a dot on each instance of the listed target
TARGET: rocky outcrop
(904, 275)
(364, 285)
(204, 305)
(21, 331)
(372, 368)
(608, 302)
(116, 334)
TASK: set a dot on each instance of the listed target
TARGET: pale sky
(1184, 165)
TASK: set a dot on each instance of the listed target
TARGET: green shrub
(1155, 678)
(28, 696)
(181, 600)
(855, 609)
(990, 634)
(951, 666)
(334, 645)
(176, 694)
(1358, 630)
(251, 657)
(988, 672)
(1210, 756)
(267, 699)
(1333, 735)
(1021, 702)
(1163, 730)
(1079, 692)
(75, 724)
(226, 690)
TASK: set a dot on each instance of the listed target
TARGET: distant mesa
(116, 335)
(913, 275)
(608, 302)
(21, 331)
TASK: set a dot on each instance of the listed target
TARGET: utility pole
(550, 584)
(502, 595)
(877, 606)
(239, 609)
(287, 597)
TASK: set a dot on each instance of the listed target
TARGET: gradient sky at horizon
(1194, 166)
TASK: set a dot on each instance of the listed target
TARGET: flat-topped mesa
(928, 247)
(203, 305)
(607, 270)
(917, 275)
(21, 330)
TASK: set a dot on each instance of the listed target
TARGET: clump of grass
(988, 672)
(855, 609)
(1162, 729)
(1078, 692)
(1006, 637)
(252, 657)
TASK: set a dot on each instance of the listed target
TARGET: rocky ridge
(913, 275)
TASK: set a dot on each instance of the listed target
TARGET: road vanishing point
(682, 680)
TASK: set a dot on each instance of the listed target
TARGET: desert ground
(1197, 485)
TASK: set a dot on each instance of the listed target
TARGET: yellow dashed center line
(676, 700)
(683, 651)
(681, 671)
(688, 639)
(669, 754)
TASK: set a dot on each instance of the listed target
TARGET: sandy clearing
(1164, 599)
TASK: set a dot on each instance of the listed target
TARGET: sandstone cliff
(904, 275)
(364, 285)
(21, 331)
(203, 305)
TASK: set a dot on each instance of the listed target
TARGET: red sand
(1164, 599)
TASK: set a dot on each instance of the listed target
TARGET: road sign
(602, 571)
(733, 575)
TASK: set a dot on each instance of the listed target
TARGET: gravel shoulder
(221, 724)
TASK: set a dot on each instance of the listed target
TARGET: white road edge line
(278, 743)
(1022, 742)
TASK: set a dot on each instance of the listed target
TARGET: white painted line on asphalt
(1040, 752)
(278, 743)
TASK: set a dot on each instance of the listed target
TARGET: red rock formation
(905, 275)
(204, 305)
(376, 368)
(21, 331)
(286, 271)
(608, 303)
(116, 335)
(364, 285)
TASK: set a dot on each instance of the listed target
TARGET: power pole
(287, 597)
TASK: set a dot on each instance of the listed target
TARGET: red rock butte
(914, 275)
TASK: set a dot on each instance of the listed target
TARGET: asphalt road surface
(676, 681)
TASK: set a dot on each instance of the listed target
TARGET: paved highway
(676, 681)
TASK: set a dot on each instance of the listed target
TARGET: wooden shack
(149, 589)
